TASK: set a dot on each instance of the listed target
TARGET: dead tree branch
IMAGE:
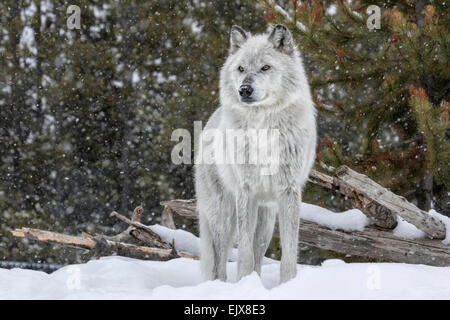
(101, 245)
(142, 232)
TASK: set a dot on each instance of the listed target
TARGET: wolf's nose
(245, 91)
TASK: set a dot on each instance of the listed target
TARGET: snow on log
(373, 243)
(379, 215)
(381, 205)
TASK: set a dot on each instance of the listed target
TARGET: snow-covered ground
(125, 278)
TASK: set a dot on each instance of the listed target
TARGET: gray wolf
(262, 86)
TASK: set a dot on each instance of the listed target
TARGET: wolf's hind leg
(263, 234)
(289, 219)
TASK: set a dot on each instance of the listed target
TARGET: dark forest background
(86, 115)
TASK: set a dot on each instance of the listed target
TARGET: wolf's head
(262, 70)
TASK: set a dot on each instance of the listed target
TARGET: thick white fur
(237, 197)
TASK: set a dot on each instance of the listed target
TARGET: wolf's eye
(241, 69)
(265, 68)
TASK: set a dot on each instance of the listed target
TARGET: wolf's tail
(207, 256)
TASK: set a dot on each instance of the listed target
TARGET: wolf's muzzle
(245, 91)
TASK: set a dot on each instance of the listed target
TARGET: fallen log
(379, 204)
(371, 243)
(375, 211)
(376, 244)
(100, 245)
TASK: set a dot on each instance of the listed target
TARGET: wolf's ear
(237, 38)
(282, 40)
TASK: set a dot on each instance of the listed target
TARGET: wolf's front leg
(217, 227)
(289, 220)
(246, 223)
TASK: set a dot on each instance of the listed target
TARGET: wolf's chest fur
(276, 140)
